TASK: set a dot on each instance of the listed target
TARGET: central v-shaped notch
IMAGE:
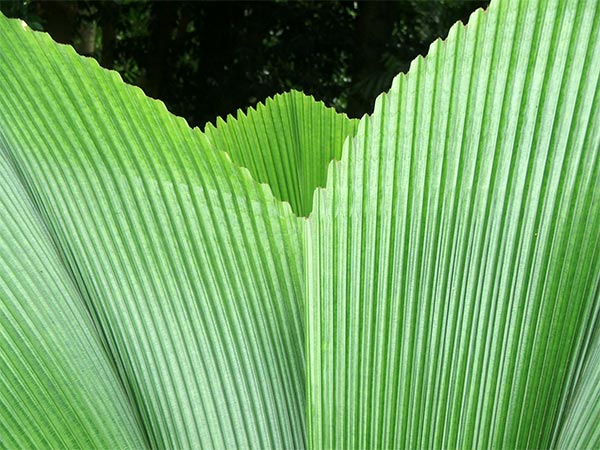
(286, 142)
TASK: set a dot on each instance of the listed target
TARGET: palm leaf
(453, 265)
(58, 388)
(187, 270)
(286, 142)
(159, 286)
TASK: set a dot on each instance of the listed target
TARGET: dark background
(207, 59)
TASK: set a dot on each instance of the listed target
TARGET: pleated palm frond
(426, 277)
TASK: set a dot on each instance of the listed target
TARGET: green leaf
(286, 142)
(58, 388)
(580, 429)
(156, 291)
(453, 264)
(187, 270)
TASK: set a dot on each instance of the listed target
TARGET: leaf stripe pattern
(453, 263)
(286, 142)
(442, 293)
(580, 428)
(48, 356)
(191, 271)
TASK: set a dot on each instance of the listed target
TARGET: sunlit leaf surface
(436, 286)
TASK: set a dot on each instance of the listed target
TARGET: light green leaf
(453, 264)
(443, 292)
(58, 388)
(190, 270)
(286, 142)
(581, 421)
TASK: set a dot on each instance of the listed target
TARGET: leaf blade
(443, 250)
(194, 269)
